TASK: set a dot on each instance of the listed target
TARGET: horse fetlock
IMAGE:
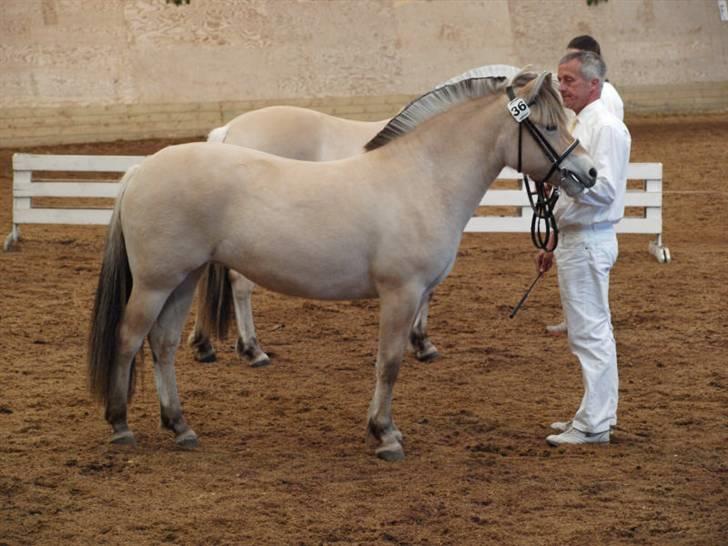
(203, 350)
(383, 433)
(175, 422)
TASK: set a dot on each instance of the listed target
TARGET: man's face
(575, 90)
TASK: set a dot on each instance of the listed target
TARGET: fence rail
(28, 184)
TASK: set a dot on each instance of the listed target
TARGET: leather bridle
(542, 200)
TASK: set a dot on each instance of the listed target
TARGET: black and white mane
(445, 97)
(432, 103)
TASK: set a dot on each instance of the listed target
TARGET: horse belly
(301, 269)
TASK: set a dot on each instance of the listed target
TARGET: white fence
(27, 186)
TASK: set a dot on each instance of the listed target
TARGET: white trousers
(584, 259)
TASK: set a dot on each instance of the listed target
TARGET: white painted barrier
(27, 186)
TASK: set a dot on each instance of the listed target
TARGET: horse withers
(384, 224)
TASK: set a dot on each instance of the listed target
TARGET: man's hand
(544, 261)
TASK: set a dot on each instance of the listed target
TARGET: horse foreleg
(139, 315)
(164, 339)
(397, 313)
(247, 344)
(420, 344)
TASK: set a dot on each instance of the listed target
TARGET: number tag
(519, 109)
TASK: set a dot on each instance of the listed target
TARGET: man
(588, 249)
(610, 96)
(611, 99)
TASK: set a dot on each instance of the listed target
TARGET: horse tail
(215, 300)
(112, 293)
(218, 134)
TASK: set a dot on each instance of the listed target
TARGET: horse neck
(460, 152)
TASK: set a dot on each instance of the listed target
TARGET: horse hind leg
(199, 339)
(419, 341)
(164, 339)
(398, 309)
(247, 344)
(140, 313)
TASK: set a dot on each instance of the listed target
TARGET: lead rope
(543, 221)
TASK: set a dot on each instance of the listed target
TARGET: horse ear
(537, 85)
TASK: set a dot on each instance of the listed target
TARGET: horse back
(300, 133)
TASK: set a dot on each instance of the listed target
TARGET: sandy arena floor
(282, 458)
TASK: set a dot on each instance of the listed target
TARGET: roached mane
(443, 98)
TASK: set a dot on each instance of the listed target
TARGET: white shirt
(608, 142)
(612, 100)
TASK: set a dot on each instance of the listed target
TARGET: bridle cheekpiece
(543, 222)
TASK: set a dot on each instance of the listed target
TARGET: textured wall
(139, 54)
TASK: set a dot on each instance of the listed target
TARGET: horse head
(546, 151)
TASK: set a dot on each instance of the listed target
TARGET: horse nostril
(593, 172)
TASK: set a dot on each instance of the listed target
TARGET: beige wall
(74, 70)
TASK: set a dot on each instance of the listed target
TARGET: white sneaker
(557, 329)
(574, 436)
(561, 426)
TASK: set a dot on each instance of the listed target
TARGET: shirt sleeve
(610, 153)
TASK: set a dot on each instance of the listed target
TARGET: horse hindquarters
(123, 313)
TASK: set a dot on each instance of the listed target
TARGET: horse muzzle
(573, 184)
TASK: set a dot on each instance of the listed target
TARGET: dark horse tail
(214, 300)
(112, 294)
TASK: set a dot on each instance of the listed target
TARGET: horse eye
(551, 128)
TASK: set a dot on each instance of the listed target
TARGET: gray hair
(593, 66)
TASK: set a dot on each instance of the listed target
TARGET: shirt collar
(590, 110)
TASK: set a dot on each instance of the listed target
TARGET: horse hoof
(252, 352)
(390, 453)
(261, 361)
(187, 440)
(206, 357)
(428, 355)
(124, 438)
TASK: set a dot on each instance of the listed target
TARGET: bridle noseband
(543, 222)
